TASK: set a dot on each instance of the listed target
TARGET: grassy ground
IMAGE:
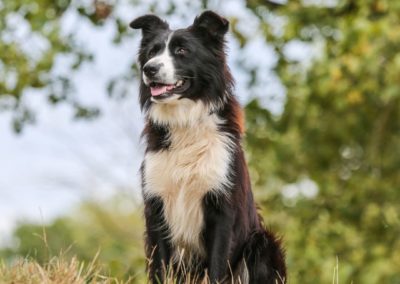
(61, 271)
(56, 271)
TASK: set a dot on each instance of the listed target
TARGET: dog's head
(183, 64)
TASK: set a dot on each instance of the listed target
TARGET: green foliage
(341, 129)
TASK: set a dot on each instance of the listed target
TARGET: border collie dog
(201, 219)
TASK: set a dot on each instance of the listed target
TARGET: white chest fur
(196, 163)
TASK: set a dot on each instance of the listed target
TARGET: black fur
(233, 232)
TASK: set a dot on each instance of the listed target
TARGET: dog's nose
(151, 69)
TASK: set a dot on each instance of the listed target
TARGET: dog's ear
(211, 23)
(149, 24)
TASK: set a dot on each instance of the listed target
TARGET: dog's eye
(181, 50)
(154, 50)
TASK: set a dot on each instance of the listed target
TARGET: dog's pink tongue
(160, 89)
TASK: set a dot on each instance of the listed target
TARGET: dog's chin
(165, 98)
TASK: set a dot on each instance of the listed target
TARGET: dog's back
(201, 218)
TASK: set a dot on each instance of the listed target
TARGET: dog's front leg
(158, 249)
(219, 219)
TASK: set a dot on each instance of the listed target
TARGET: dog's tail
(265, 259)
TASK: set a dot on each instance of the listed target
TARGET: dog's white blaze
(196, 163)
(167, 70)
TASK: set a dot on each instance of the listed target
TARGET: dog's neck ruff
(180, 112)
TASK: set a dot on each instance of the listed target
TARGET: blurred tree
(31, 39)
(339, 131)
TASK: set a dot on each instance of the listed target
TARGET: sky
(58, 162)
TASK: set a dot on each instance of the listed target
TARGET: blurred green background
(324, 163)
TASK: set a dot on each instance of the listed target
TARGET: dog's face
(183, 64)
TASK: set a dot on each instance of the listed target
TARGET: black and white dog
(201, 219)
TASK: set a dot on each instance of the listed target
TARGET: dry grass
(61, 271)
(56, 271)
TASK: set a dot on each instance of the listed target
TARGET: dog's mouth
(160, 90)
